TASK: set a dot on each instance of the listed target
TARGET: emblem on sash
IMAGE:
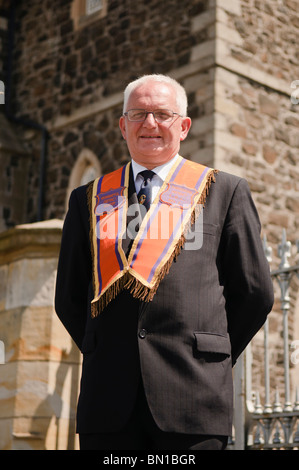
(108, 201)
(177, 195)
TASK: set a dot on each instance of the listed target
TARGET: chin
(152, 149)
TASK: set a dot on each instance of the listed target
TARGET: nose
(150, 120)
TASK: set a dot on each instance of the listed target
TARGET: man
(160, 320)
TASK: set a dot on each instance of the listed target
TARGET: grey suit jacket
(183, 344)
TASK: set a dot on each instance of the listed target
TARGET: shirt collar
(161, 170)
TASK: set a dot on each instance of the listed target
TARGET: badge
(178, 196)
(109, 201)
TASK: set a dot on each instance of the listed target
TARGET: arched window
(87, 168)
(86, 11)
(90, 174)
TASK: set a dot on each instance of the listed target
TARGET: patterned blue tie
(145, 194)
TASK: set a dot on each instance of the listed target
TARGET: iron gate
(262, 423)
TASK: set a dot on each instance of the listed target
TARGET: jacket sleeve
(247, 282)
(74, 268)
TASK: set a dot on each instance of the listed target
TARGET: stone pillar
(40, 376)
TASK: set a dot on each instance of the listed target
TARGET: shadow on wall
(54, 420)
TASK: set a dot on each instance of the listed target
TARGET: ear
(122, 126)
(185, 127)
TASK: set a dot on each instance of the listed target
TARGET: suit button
(142, 334)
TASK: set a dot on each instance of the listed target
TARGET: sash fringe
(129, 282)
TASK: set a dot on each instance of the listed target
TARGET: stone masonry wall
(256, 134)
(63, 68)
(71, 80)
(61, 72)
(256, 121)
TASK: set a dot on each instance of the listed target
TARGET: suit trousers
(142, 433)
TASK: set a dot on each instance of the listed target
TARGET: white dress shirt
(161, 173)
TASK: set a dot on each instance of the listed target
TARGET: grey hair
(181, 96)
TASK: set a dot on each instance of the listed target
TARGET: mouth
(150, 137)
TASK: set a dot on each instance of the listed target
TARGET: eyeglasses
(160, 115)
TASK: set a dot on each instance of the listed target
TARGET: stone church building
(63, 67)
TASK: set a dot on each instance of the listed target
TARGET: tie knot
(147, 174)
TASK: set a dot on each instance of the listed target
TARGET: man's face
(151, 143)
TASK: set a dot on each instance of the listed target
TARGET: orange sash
(159, 238)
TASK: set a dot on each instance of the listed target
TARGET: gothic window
(86, 11)
(90, 173)
(86, 169)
